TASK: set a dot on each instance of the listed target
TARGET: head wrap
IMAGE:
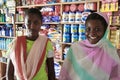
(104, 15)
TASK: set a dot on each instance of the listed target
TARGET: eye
(36, 23)
(97, 29)
(87, 29)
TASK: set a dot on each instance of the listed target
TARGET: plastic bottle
(11, 32)
(3, 31)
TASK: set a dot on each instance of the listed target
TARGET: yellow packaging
(107, 8)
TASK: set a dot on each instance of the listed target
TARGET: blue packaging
(66, 38)
(74, 37)
(82, 37)
(67, 28)
(82, 28)
(69, 0)
(74, 28)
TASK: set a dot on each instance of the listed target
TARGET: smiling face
(94, 31)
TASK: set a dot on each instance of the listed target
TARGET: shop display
(69, 15)
(63, 21)
(109, 5)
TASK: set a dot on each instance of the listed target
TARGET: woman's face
(94, 31)
(33, 23)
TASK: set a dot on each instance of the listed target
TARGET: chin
(92, 42)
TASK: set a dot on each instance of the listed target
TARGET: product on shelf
(73, 32)
(74, 37)
(82, 32)
(4, 42)
(6, 30)
(109, 5)
(66, 38)
(57, 67)
(65, 51)
(51, 14)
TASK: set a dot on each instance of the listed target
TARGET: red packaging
(81, 7)
(66, 8)
(73, 7)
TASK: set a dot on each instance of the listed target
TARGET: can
(74, 28)
(67, 28)
(66, 37)
(74, 37)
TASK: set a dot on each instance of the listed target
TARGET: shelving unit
(115, 35)
(61, 23)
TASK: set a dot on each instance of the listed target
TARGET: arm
(10, 71)
(50, 65)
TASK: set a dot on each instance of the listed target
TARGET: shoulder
(77, 43)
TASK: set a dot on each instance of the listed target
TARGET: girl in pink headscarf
(94, 58)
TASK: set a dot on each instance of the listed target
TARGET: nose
(31, 25)
(92, 32)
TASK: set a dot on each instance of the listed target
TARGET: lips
(92, 37)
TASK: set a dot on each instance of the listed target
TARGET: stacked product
(73, 32)
(6, 30)
(51, 14)
(109, 5)
(4, 42)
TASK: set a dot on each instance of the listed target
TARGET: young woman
(94, 58)
(31, 56)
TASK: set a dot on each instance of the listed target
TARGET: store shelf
(78, 2)
(19, 22)
(6, 23)
(7, 37)
(52, 23)
(61, 4)
(115, 24)
(72, 23)
(3, 50)
(53, 4)
(65, 43)
(38, 5)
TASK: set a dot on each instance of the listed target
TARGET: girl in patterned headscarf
(94, 58)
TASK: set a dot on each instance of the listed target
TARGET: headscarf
(86, 61)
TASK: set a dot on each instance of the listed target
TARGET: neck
(32, 38)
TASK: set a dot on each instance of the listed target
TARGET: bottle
(3, 31)
(11, 32)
